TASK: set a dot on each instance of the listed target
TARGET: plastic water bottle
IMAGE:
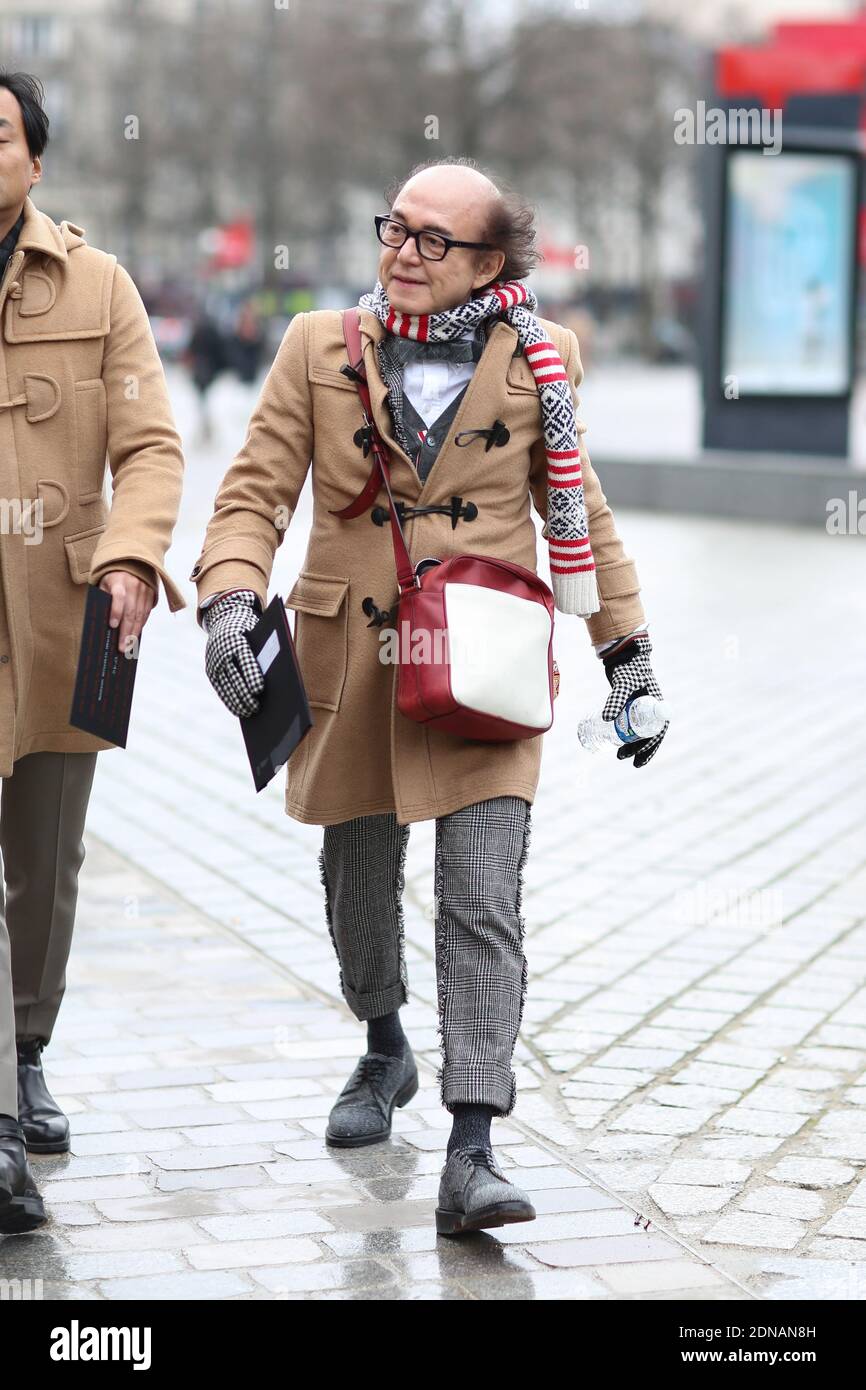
(642, 717)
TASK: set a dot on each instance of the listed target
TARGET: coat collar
(42, 235)
(489, 376)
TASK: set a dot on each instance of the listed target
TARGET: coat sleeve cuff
(141, 571)
(143, 566)
(621, 609)
(173, 592)
(231, 574)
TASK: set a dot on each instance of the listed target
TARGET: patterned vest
(422, 443)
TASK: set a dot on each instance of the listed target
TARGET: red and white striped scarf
(572, 568)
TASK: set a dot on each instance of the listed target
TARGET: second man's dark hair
(30, 95)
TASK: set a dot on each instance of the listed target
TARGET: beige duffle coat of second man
(81, 388)
(362, 756)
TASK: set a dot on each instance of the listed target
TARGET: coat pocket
(91, 437)
(79, 552)
(519, 377)
(328, 376)
(321, 635)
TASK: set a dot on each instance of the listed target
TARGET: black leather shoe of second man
(45, 1126)
(363, 1110)
(21, 1207)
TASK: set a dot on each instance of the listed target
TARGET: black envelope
(272, 735)
(102, 698)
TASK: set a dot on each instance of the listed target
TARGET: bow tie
(408, 350)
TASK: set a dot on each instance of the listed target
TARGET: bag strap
(356, 371)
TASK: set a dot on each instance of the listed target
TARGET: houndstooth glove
(230, 662)
(630, 674)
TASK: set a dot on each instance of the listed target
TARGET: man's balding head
(466, 203)
(456, 186)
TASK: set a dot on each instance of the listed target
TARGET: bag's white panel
(498, 649)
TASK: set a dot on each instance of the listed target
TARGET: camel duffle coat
(81, 383)
(362, 756)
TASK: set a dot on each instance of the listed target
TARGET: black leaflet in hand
(284, 718)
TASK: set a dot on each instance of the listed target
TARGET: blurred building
(100, 61)
(730, 20)
(174, 121)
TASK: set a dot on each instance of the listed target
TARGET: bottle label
(622, 724)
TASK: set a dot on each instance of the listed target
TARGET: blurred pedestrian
(206, 357)
(247, 344)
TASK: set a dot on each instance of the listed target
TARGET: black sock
(385, 1034)
(471, 1127)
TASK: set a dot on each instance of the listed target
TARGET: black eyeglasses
(431, 245)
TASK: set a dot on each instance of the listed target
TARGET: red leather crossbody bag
(474, 632)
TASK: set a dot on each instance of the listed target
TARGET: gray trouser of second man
(43, 806)
(479, 932)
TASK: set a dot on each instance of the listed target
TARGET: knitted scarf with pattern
(572, 568)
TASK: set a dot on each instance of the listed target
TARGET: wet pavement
(690, 1118)
(199, 1073)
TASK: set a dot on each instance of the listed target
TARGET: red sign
(773, 74)
(233, 244)
(555, 255)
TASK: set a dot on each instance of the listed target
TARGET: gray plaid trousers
(479, 932)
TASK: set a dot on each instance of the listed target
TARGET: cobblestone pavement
(199, 1074)
(694, 1036)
